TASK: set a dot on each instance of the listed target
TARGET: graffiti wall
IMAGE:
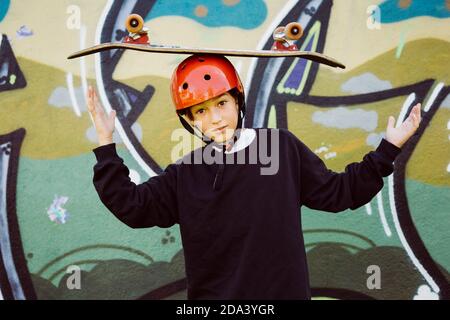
(58, 241)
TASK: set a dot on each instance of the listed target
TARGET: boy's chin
(221, 138)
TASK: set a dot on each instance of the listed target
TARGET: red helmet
(201, 77)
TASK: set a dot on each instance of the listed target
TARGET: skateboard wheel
(293, 31)
(134, 23)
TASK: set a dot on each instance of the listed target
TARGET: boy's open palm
(104, 124)
(400, 134)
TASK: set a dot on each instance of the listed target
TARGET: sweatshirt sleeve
(324, 189)
(152, 203)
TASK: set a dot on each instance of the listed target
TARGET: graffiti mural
(397, 53)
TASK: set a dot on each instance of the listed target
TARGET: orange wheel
(293, 31)
(134, 23)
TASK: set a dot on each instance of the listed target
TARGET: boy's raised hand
(104, 124)
(399, 135)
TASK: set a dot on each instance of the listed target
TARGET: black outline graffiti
(15, 139)
(404, 214)
(8, 58)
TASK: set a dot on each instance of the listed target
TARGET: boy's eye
(221, 103)
(199, 111)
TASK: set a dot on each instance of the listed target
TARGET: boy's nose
(216, 115)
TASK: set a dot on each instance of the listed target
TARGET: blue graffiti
(4, 6)
(245, 14)
(392, 12)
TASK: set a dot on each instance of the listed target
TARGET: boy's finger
(416, 120)
(91, 107)
(96, 98)
(391, 122)
(416, 112)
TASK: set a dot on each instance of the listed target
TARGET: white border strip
(402, 238)
(73, 99)
(384, 222)
(404, 109)
(83, 77)
(368, 208)
(398, 229)
(433, 96)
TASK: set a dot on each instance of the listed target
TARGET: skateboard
(284, 46)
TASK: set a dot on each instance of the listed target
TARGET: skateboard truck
(284, 37)
(137, 32)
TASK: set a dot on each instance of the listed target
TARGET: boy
(240, 228)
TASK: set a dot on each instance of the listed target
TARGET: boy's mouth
(220, 129)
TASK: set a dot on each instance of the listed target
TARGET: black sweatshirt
(243, 240)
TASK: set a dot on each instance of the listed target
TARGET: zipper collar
(246, 137)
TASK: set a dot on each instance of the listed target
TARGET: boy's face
(216, 113)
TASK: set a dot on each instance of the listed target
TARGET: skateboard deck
(313, 56)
